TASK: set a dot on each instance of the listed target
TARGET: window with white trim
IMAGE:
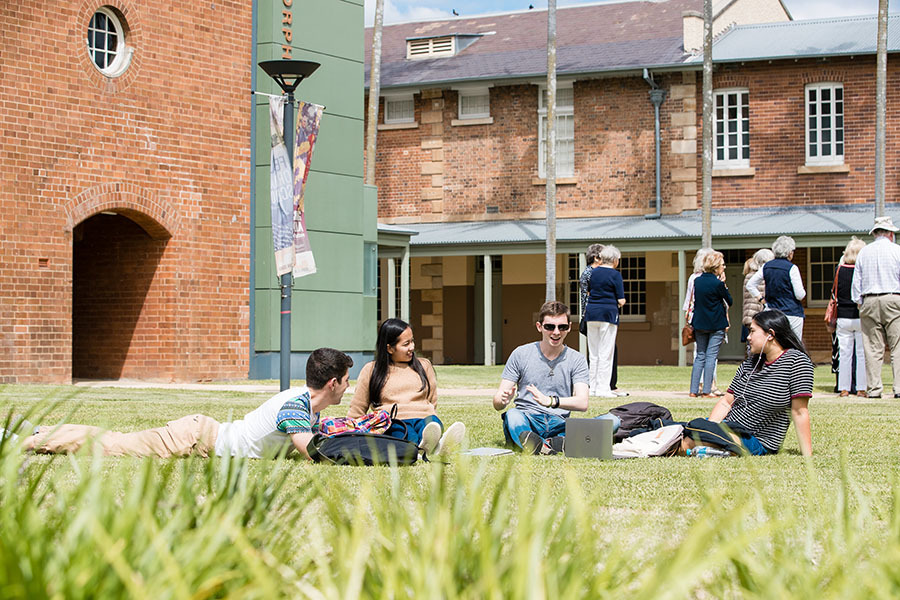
(474, 104)
(824, 124)
(106, 42)
(573, 293)
(732, 128)
(633, 268)
(820, 274)
(565, 131)
(399, 109)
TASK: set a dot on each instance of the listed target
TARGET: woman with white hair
(784, 286)
(606, 293)
(848, 327)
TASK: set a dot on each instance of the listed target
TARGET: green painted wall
(329, 307)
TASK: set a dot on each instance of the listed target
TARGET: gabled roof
(590, 39)
(839, 36)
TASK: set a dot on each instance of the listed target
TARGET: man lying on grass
(769, 389)
(283, 423)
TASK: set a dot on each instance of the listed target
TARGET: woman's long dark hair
(388, 333)
(776, 321)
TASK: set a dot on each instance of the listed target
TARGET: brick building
(461, 143)
(127, 203)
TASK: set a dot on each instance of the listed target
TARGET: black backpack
(362, 449)
(637, 417)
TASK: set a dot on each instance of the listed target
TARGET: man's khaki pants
(181, 437)
(879, 317)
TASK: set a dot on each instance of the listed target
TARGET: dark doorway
(114, 329)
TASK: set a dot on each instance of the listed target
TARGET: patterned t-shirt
(762, 399)
(266, 431)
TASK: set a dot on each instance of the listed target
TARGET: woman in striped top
(770, 389)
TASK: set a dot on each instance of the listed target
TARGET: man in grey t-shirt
(545, 380)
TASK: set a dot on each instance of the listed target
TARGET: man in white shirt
(284, 423)
(876, 289)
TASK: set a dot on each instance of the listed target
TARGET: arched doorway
(117, 301)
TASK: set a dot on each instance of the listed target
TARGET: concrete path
(272, 388)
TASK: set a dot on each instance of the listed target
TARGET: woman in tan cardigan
(398, 378)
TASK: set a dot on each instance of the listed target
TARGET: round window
(106, 42)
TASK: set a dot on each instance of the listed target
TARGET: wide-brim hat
(884, 223)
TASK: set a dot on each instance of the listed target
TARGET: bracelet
(555, 402)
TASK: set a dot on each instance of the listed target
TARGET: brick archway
(155, 216)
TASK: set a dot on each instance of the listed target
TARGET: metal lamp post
(287, 74)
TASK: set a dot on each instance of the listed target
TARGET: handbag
(831, 310)
(687, 335)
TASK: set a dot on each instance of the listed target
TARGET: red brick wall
(777, 134)
(167, 144)
(493, 167)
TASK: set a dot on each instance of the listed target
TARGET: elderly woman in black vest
(784, 287)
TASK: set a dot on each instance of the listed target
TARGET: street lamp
(287, 74)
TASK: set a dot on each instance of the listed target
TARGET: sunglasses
(552, 326)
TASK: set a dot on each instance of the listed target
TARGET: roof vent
(431, 47)
(440, 46)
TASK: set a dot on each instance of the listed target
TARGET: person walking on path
(784, 286)
(848, 328)
(592, 258)
(710, 321)
(606, 294)
(876, 290)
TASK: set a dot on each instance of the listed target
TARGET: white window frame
(812, 298)
(633, 289)
(389, 118)
(565, 113)
(474, 93)
(834, 129)
(722, 122)
(122, 53)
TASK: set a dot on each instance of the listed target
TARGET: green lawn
(508, 527)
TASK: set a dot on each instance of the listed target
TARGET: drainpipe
(657, 96)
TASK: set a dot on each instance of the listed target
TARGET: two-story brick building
(461, 142)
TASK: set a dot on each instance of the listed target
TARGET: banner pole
(287, 283)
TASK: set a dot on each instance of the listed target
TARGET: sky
(396, 11)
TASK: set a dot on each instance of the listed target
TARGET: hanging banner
(282, 192)
(308, 118)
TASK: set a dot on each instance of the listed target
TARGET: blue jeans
(411, 429)
(706, 353)
(517, 422)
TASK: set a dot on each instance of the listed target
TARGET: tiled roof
(838, 36)
(730, 223)
(590, 39)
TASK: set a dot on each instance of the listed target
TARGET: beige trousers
(879, 317)
(181, 437)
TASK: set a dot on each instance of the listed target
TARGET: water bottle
(704, 451)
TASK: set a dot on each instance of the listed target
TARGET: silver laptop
(589, 438)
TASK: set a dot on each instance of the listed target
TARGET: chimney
(692, 23)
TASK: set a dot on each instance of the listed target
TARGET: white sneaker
(431, 438)
(452, 439)
(620, 393)
(606, 395)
